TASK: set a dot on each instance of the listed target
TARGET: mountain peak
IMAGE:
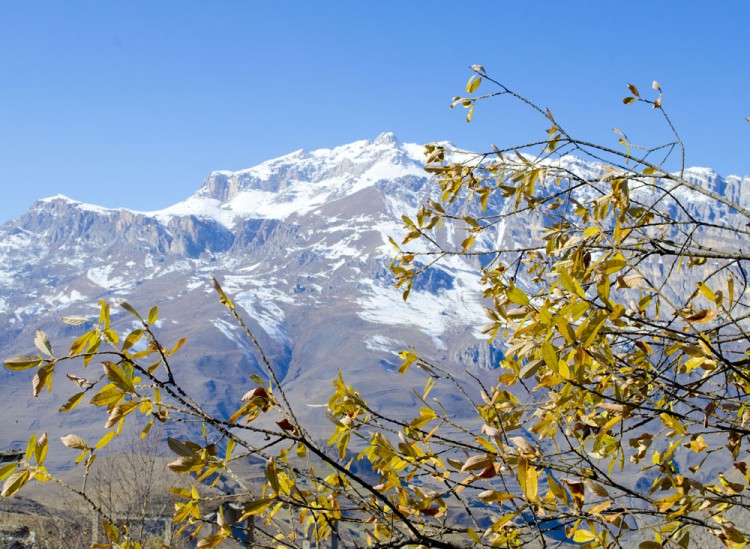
(61, 202)
(301, 181)
(386, 138)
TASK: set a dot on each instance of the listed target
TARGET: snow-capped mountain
(300, 242)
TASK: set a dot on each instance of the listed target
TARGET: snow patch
(63, 300)
(101, 276)
(382, 344)
(432, 314)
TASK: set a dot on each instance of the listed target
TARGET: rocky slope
(300, 242)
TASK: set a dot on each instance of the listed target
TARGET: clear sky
(131, 104)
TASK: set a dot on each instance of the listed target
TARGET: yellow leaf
(153, 315)
(556, 489)
(591, 231)
(693, 363)
(14, 482)
(473, 84)
(72, 402)
(22, 362)
(672, 423)
(697, 444)
(105, 440)
(516, 295)
(118, 377)
(583, 536)
(532, 485)
(570, 283)
(563, 369)
(614, 264)
(707, 292)
(549, 355)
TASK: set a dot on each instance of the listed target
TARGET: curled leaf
(74, 441)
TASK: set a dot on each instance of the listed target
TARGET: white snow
(381, 344)
(262, 300)
(102, 277)
(62, 300)
(433, 315)
(82, 205)
(318, 177)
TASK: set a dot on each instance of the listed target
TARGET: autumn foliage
(619, 412)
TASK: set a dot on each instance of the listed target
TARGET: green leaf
(570, 283)
(615, 264)
(488, 496)
(628, 100)
(30, 447)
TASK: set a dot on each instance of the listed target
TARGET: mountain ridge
(300, 242)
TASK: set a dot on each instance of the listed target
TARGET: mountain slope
(300, 243)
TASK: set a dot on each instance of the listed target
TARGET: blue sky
(131, 104)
